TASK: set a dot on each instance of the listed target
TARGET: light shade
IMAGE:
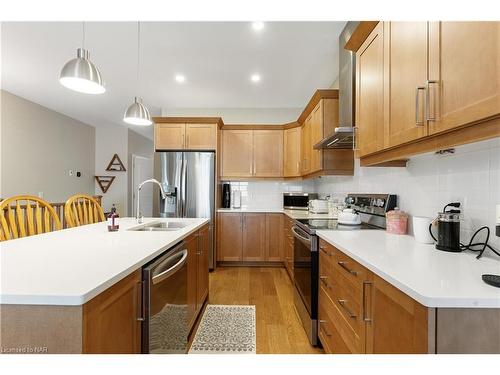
(82, 75)
(137, 114)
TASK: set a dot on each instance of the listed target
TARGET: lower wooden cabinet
(111, 322)
(250, 237)
(399, 324)
(197, 268)
(288, 246)
(361, 313)
(254, 237)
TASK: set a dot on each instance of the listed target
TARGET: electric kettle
(349, 217)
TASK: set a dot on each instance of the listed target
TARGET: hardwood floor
(279, 330)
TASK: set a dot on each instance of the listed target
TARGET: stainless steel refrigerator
(188, 178)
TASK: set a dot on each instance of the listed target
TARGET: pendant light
(81, 74)
(137, 113)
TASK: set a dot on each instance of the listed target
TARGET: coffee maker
(226, 195)
(448, 228)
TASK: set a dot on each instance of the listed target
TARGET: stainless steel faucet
(138, 214)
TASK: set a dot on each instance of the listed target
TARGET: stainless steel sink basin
(166, 226)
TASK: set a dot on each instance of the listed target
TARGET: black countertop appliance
(448, 228)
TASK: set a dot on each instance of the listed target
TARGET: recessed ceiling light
(180, 78)
(258, 25)
(255, 78)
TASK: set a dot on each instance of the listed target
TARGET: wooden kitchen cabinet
(254, 237)
(370, 93)
(192, 275)
(274, 237)
(398, 323)
(305, 147)
(170, 136)
(230, 237)
(252, 153)
(441, 88)
(111, 320)
(464, 73)
(405, 78)
(201, 136)
(268, 153)
(202, 275)
(291, 145)
(237, 153)
(316, 136)
(288, 241)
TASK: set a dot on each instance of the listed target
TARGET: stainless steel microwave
(297, 201)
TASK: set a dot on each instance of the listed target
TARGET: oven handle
(296, 234)
(163, 275)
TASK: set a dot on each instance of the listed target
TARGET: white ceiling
(217, 58)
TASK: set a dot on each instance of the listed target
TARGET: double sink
(164, 226)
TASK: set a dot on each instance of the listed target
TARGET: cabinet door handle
(428, 101)
(342, 303)
(325, 283)
(324, 331)
(366, 306)
(324, 251)
(140, 287)
(343, 265)
(417, 105)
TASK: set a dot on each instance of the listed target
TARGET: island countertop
(433, 278)
(71, 266)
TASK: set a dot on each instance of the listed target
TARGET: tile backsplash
(471, 176)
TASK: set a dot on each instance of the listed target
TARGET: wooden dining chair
(81, 209)
(26, 215)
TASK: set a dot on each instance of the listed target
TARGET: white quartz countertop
(432, 277)
(294, 214)
(71, 266)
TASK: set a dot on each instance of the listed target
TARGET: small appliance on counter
(498, 221)
(318, 206)
(226, 195)
(236, 198)
(298, 201)
(349, 217)
(448, 228)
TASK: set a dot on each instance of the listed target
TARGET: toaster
(318, 206)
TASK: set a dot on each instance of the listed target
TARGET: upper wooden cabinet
(406, 59)
(201, 136)
(370, 93)
(252, 153)
(237, 153)
(464, 73)
(291, 145)
(306, 146)
(441, 88)
(268, 153)
(170, 136)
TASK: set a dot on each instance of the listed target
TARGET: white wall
(470, 176)
(38, 149)
(139, 146)
(110, 140)
(266, 116)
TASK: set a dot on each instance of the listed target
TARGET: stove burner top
(311, 225)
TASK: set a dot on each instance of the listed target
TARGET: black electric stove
(312, 225)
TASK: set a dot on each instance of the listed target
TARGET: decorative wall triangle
(116, 164)
(104, 182)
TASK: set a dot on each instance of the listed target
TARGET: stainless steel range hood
(343, 136)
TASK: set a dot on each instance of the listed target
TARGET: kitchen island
(50, 283)
(399, 296)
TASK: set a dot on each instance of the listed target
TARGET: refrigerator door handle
(183, 186)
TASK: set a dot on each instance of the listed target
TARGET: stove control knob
(380, 202)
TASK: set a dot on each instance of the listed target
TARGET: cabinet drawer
(346, 266)
(328, 334)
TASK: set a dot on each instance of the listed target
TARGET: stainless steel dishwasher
(164, 303)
